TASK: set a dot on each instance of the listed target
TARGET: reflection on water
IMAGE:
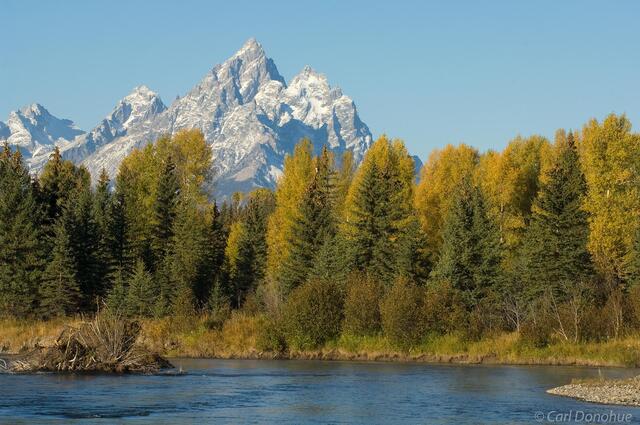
(244, 391)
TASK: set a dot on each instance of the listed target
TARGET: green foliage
(119, 240)
(400, 313)
(443, 309)
(59, 179)
(59, 293)
(362, 305)
(100, 212)
(333, 260)
(21, 251)
(189, 252)
(141, 293)
(219, 307)
(313, 314)
(164, 210)
(315, 225)
(379, 207)
(117, 295)
(555, 248)
(78, 218)
(470, 255)
(272, 335)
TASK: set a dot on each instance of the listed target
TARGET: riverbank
(238, 339)
(625, 392)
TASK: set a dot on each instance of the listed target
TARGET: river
(306, 392)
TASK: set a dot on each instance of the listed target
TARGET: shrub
(443, 309)
(633, 300)
(362, 305)
(271, 335)
(313, 314)
(538, 328)
(400, 313)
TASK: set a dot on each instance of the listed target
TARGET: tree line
(542, 238)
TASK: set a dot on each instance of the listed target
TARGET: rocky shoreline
(625, 392)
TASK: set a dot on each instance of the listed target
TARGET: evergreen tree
(555, 249)
(141, 294)
(117, 296)
(59, 291)
(59, 179)
(21, 250)
(236, 275)
(260, 205)
(119, 244)
(412, 256)
(372, 228)
(217, 242)
(101, 203)
(315, 225)
(164, 209)
(333, 261)
(189, 252)
(471, 253)
(77, 216)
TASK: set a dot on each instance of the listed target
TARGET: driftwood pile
(107, 344)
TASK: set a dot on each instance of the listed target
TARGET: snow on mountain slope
(248, 114)
(136, 110)
(35, 131)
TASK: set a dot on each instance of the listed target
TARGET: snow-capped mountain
(35, 131)
(247, 112)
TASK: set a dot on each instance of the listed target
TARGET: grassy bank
(237, 338)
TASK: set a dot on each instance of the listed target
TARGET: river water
(305, 392)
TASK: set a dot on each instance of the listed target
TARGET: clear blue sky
(431, 73)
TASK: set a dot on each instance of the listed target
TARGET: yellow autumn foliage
(610, 156)
(510, 180)
(443, 172)
(392, 158)
(298, 171)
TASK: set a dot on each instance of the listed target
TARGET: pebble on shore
(624, 392)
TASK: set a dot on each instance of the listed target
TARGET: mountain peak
(247, 113)
(144, 90)
(251, 45)
(34, 109)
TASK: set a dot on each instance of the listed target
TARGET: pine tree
(119, 243)
(217, 242)
(315, 225)
(164, 209)
(372, 225)
(117, 296)
(260, 205)
(21, 249)
(101, 202)
(236, 275)
(471, 253)
(59, 291)
(333, 261)
(413, 261)
(555, 249)
(59, 179)
(77, 216)
(187, 261)
(141, 294)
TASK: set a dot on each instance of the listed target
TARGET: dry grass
(107, 343)
(19, 336)
(237, 339)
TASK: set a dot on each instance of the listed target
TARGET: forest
(541, 239)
